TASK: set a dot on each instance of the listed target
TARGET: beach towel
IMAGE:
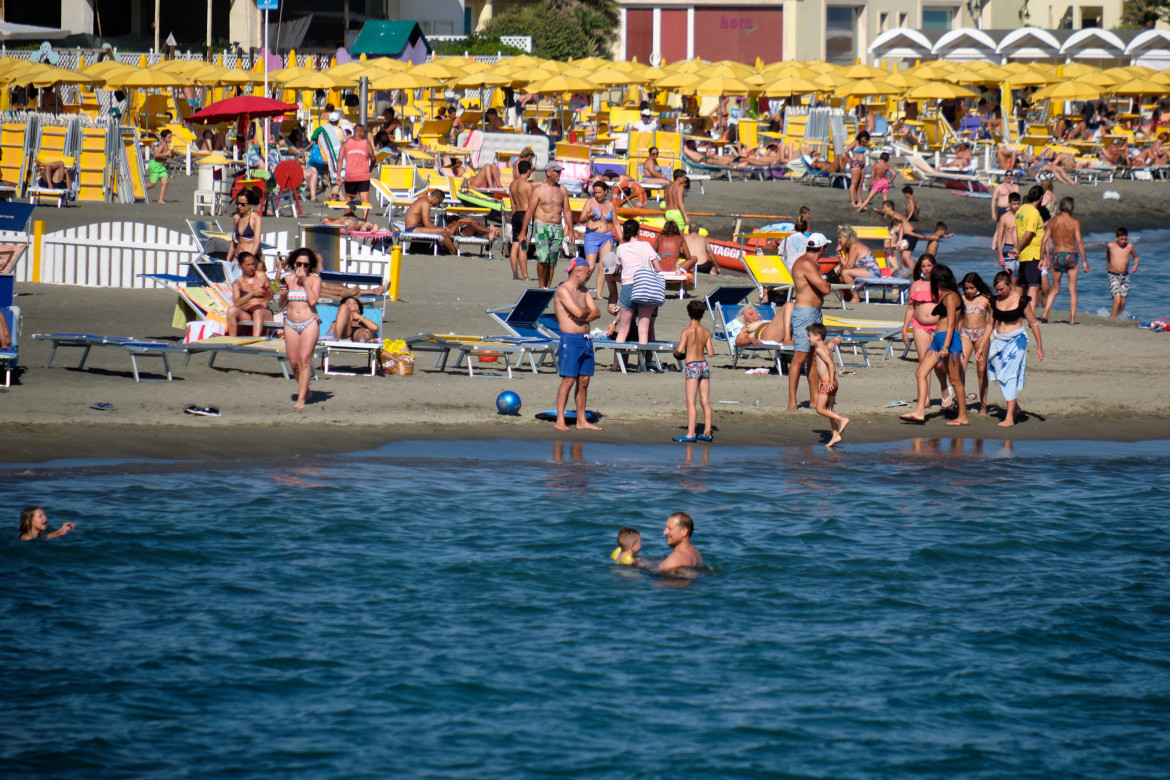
(1007, 362)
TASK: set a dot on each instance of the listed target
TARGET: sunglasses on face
(300, 265)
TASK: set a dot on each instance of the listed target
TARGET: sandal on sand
(948, 399)
(892, 404)
(686, 439)
(972, 397)
(911, 418)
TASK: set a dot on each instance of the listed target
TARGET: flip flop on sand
(972, 397)
(911, 418)
(102, 407)
(201, 411)
(892, 404)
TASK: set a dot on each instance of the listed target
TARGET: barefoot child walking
(827, 395)
(694, 347)
(1117, 256)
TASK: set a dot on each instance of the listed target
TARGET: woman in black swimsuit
(1008, 358)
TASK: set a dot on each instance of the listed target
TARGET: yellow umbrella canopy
(676, 81)
(184, 67)
(484, 78)
(612, 77)
(1026, 78)
(212, 75)
(831, 81)
(388, 63)
(1074, 70)
(559, 84)
(790, 85)
(282, 75)
(1068, 90)
(49, 76)
(105, 66)
(865, 88)
(687, 66)
(928, 71)
(789, 70)
(938, 90)
(145, 78)
(354, 70)
(860, 71)
(319, 81)
(1100, 79)
(592, 63)
(530, 75)
(720, 85)
(390, 80)
(903, 81)
(1138, 88)
(986, 75)
(1161, 77)
(441, 71)
(464, 64)
(19, 69)
(524, 61)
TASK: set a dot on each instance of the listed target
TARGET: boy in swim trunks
(694, 347)
(629, 545)
(157, 168)
(1004, 240)
(880, 185)
(827, 395)
(1117, 256)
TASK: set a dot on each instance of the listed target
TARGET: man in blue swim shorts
(811, 289)
(575, 309)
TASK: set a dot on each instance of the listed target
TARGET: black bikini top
(941, 309)
(1009, 316)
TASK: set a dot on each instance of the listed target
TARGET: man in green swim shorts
(676, 212)
(157, 169)
(549, 207)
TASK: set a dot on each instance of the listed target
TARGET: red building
(708, 29)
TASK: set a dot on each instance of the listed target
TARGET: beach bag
(315, 158)
(395, 358)
(649, 288)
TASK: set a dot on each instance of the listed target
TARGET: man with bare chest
(549, 210)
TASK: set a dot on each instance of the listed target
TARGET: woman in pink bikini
(920, 314)
(299, 291)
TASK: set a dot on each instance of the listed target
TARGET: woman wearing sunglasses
(245, 225)
(299, 291)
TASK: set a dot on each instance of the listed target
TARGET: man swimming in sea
(678, 531)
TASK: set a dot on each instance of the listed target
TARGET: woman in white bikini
(299, 291)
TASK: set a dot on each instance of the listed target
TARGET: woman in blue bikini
(299, 291)
(600, 220)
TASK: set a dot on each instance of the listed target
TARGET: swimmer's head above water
(629, 544)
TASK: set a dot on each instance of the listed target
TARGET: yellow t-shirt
(1028, 221)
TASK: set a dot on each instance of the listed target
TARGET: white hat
(645, 112)
(817, 240)
(335, 116)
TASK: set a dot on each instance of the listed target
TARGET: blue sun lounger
(134, 347)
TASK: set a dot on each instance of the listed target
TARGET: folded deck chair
(11, 356)
(134, 347)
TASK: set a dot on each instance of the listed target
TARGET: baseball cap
(335, 116)
(576, 262)
(554, 167)
(645, 112)
(817, 240)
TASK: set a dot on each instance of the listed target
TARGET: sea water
(934, 608)
(1148, 287)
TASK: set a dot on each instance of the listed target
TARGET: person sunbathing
(963, 158)
(351, 221)
(55, 175)
(1007, 158)
(487, 178)
(817, 164)
(650, 171)
(726, 161)
(250, 295)
(418, 220)
(754, 329)
(351, 324)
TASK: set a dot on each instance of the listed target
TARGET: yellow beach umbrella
(903, 81)
(530, 75)
(928, 71)
(145, 78)
(319, 81)
(50, 76)
(831, 81)
(593, 63)
(1101, 80)
(1068, 90)
(938, 90)
(282, 75)
(560, 84)
(789, 70)
(183, 67)
(687, 66)
(106, 68)
(402, 79)
(1138, 88)
(1074, 70)
(790, 85)
(610, 77)
(211, 75)
(355, 70)
(865, 88)
(677, 81)
(860, 71)
(1026, 78)
(480, 80)
(717, 86)
(388, 63)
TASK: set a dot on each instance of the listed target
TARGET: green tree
(474, 44)
(557, 33)
(1145, 14)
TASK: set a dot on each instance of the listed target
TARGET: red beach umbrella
(244, 106)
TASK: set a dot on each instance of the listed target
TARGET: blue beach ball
(508, 402)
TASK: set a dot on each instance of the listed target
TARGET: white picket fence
(116, 254)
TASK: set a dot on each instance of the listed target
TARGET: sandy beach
(1098, 379)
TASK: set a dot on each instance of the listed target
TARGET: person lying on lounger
(350, 324)
(55, 175)
(351, 221)
(418, 220)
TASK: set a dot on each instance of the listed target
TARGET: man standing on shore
(575, 309)
(1064, 231)
(999, 195)
(678, 531)
(811, 289)
(549, 205)
(1029, 239)
(521, 192)
(676, 212)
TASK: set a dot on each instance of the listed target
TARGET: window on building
(1091, 16)
(840, 34)
(883, 21)
(937, 18)
(902, 19)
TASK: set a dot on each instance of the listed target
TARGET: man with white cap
(549, 209)
(646, 123)
(811, 289)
